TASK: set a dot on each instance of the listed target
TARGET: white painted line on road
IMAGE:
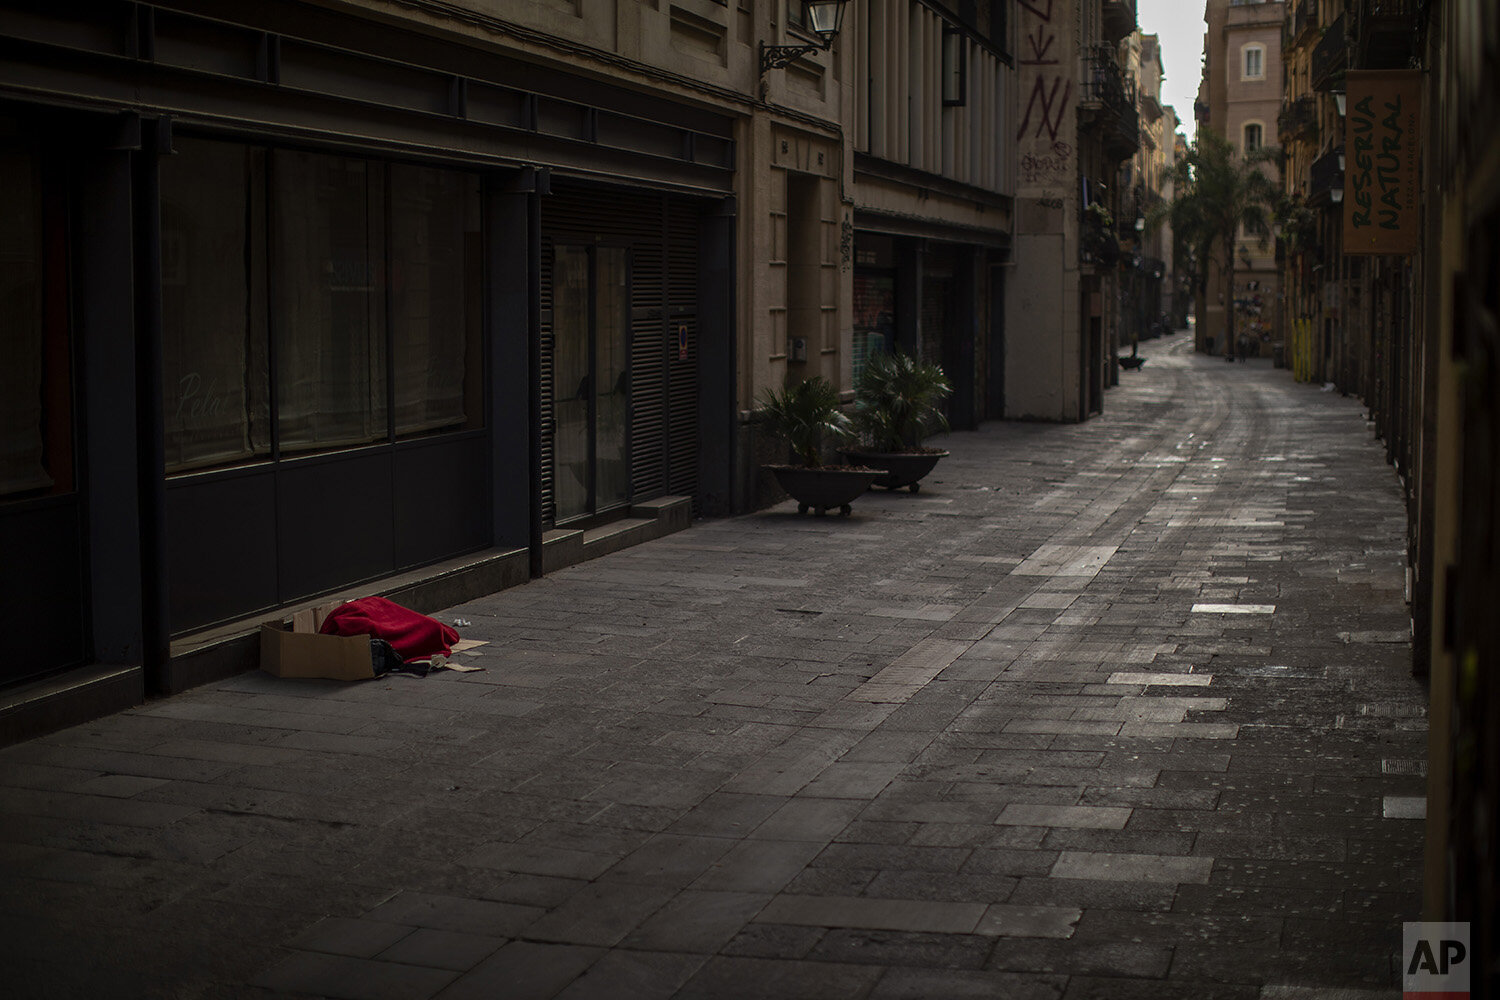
(1234, 609)
(1404, 807)
(1186, 680)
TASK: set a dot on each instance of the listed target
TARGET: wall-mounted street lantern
(823, 18)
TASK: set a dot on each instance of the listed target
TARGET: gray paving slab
(524, 970)
(454, 950)
(346, 978)
(873, 914)
(975, 742)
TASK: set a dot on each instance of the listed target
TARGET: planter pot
(898, 468)
(820, 490)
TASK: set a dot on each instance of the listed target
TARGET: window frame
(1260, 128)
(1259, 51)
(954, 67)
(266, 285)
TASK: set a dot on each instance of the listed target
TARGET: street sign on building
(1382, 152)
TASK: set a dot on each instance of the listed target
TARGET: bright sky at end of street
(1179, 25)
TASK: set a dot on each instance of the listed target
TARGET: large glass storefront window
(874, 315)
(305, 292)
(217, 407)
(435, 299)
(329, 300)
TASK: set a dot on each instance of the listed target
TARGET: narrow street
(1108, 710)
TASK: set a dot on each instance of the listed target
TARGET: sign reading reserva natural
(1381, 153)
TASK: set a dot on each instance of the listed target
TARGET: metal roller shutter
(648, 375)
(661, 234)
(682, 379)
(549, 450)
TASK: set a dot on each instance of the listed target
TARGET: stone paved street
(1111, 710)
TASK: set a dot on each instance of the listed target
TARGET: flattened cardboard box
(305, 652)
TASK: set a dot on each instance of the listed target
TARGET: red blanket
(412, 635)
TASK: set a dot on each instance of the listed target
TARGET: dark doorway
(42, 568)
(590, 379)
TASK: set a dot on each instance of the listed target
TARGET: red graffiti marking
(1031, 6)
(1053, 105)
(1040, 46)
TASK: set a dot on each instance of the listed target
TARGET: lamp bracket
(782, 56)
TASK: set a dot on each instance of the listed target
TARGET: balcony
(1298, 119)
(1330, 58)
(1326, 177)
(1304, 20)
(1381, 33)
(1111, 95)
(1150, 107)
(1300, 25)
(1119, 18)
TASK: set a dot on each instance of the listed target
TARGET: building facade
(1240, 99)
(933, 189)
(1454, 430)
(429, 299)
(1146, 293)
(314, 297)
(1410, 328)
(1076, 123)
(1311, 125)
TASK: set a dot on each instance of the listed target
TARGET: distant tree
(1219, 192)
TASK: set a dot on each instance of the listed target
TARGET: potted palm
(804, 415)
(898, 403)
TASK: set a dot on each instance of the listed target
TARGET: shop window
(435, 300)
(329, 314)
(874, 315)
(36, 454)
(216, 407)
(360, 279)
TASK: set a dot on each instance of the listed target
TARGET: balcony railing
(1303, 19)
(1119, 18)
(1381, 33)
(1326, 177)
(1299, 18)
(1297, 119)
(1107, 86)
(1330, 58)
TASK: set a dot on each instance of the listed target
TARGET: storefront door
(591, 384)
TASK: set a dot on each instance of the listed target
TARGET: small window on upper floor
(1254, 135)
(1253, 62)
(955, 67)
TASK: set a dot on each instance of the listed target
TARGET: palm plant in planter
(804, 415)
(898, 403)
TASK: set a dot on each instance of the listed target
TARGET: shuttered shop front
(619, 291)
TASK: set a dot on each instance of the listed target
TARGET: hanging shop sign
(1382, 152)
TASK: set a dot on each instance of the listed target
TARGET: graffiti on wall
(1043, 138)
